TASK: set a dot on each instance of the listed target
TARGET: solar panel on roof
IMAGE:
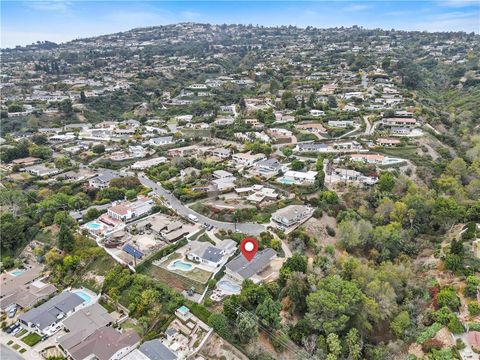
(129, 249)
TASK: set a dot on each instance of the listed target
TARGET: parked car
(12, 328)
(12, 312)
(16, 331)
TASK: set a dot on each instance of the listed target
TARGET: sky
(25, 22)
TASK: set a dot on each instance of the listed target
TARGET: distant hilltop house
(375, 159)
(161, 141)
(292, 177)
(268, 168)
(337, 146)
(247, 159)
(399, 121)
(341, 123)
(312, 127)
(102, 180)
(41, 170)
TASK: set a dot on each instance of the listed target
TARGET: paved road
(246, 228)
(8, 354)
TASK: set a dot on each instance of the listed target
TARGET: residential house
(152, 350)
(41, 170)
(183, 151)
(105, 343)
(45, 317)
(312, 128)
(27, 296)
(388, 142)
(240, 269)
(222, 153)
(161, 141)
(10, 283)
(82, 324)
(298, 177)
(205, 253)
(269, 167)
(102, 180)
(341, 123)
(127, 210)
(292, 215)
(315, 112)
(145, 164)
(221, 174)
(399, 121)
(247, 159)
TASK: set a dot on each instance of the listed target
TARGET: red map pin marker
(249, 247)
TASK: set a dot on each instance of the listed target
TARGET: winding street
(181, 209)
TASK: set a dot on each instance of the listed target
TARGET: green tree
(246, 325)
(219, 323)
(386, 182)
(334, 345)
(354, 344)
(472, 284)
(287, 152)
(400, 324)
(448, 297)
(98, 149)
(334, 304)
(65, 238)
(297, 165)
(268, 312)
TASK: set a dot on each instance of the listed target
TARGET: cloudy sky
(25, 22)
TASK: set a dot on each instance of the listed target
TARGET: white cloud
(452, 21)
(52, 5)
(190, 15)
(357, 7)
(458, 3)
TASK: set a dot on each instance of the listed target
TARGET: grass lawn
(206, 238)
(31, 339)
(174, 280)
(10, 342)
(22, 350)
(129, 324)
(21, 333)
(16, 346)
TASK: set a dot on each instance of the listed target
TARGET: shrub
(473, 309)
(429, 332)
(330, 231)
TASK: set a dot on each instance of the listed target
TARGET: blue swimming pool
(181, 265)
(17, 272)
(286, 181)
(226, 285)
(83, 295)
(93, 226)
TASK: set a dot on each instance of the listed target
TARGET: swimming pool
(17, 272)
(93, 226)
(286, 181)
(181, 265)
(83, 295)
(227, 286)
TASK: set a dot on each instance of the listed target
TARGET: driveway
(181, 209)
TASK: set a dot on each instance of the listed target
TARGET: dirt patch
(317, 228)
(218, 349)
